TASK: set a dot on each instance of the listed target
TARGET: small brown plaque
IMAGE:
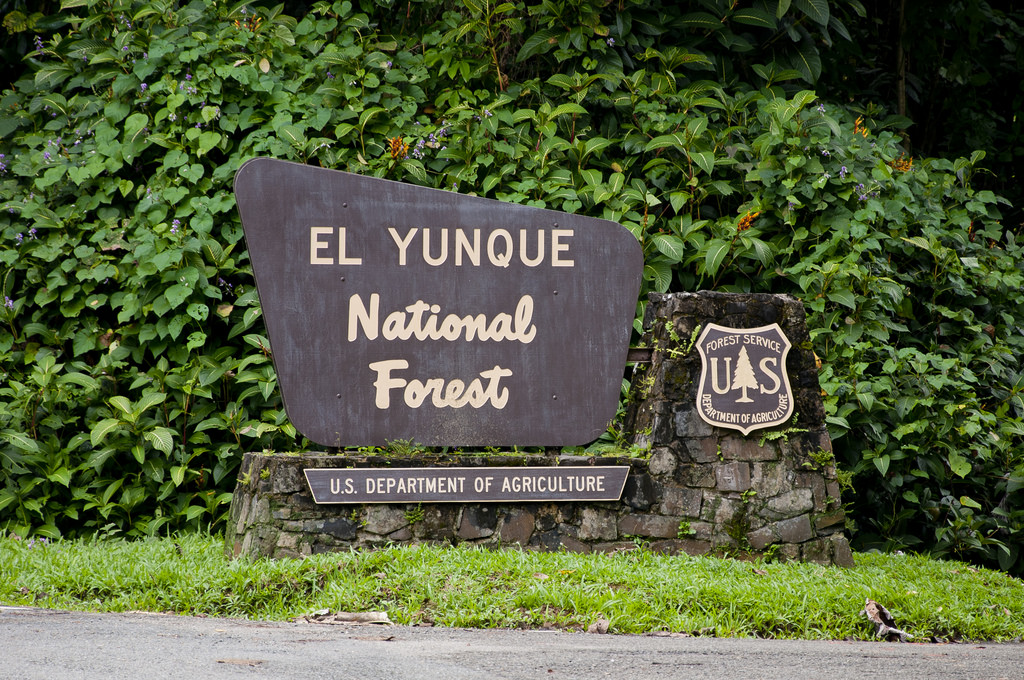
(466, 485)
(744, 384)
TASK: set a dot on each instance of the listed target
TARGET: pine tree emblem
(744, 377)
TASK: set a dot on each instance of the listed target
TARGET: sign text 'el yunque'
(399, 312)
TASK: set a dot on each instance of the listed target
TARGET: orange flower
(902, 163)
(397, 147)
(747, 221)
(859, 129)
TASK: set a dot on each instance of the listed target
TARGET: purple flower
(32, 233)
(387, 64)
(188, 76)
(39, 45)
(8, 302)
(174, 225)
(842, 172)
(824, 152)
(330, 76)
(611, 42)
(821, 108)
(46, 155)
(19, 237)
(143, 87)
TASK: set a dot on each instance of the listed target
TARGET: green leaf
(674, 140)
(22, 441)
(660, 273)
(969, 502)
(959, 465)
(196, 340)
(754, 16)
(671, 246)
(716, 252)
(701, 20)
(817, 10)
(134, 126)
(705, 159)
(843, 297)
(178, 474)
(100, 431)
(208, 140)
(149, 400)
(161, 438)
(80, 379)
(567, 108)
(538, 43)
(62, 476)
(122, 404)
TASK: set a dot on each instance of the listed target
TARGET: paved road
(40, 643)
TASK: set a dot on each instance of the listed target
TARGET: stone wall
(774, 487)
(702, 489)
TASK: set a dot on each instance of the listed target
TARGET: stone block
(547, 515)
(384, 519)
(742, 448)
(613, 547)
(517, 527)
(794, 530)
(656, 526)
(830, 519)
(788, 504)
(639, 491)
(814, 481)
(675, 546)
(546, 541)
(663, 462)
(478, 521)
(689, 424)
(761, 538)
(597, 524)
(817, 551)
(566, 513)
(769, 478)
(573, 545)
(286, 479)
(439, 522)
(680, 501)
(842, 556)
(732, 476)
(403, 534)
(693, 475)
(701, 450)
(342, 528)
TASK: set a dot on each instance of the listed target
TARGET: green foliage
(135, 367)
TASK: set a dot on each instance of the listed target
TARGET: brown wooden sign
(744, 384)
(401, 312)
(466, 485)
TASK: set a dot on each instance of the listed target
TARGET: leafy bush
(136, 371)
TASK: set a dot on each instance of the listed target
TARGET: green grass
(637, 591)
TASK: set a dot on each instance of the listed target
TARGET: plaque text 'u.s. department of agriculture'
(466, 485)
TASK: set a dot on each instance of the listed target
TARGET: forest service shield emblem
(743, 379)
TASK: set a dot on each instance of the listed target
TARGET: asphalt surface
(41, 643)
